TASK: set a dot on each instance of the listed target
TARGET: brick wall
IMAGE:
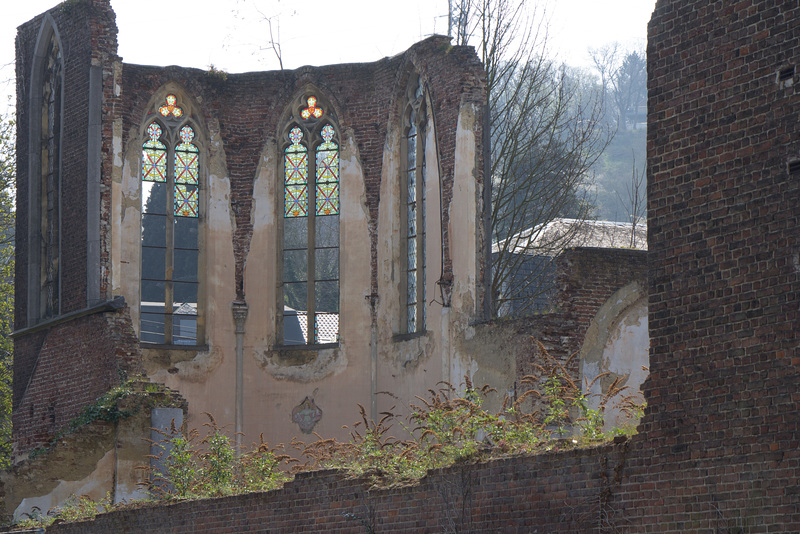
(82, 27)
(77, 362)
(585, 278)
(58, 383)
(250, 109)
(554, 492)
(721, 447)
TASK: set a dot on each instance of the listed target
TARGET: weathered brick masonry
(106, 105)
(249, 108)
(720, 443)
(554, 492)
(60, 369)
(77, 362)
(719, 446)
(585, 279)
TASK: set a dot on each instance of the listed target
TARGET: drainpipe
(239, 309)
(373, 376)
(446, 291)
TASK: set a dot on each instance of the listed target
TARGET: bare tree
(273, 42)
(635, 201)
(546, 133)
(623, 80)
(623, 77)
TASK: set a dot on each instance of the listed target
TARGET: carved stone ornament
(306, 415)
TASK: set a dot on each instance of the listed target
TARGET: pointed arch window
(310, 252)
(413, 184)
(170, 176)
(50, 187)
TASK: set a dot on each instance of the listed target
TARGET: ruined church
(271, 248)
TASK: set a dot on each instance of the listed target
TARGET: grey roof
(550, 238)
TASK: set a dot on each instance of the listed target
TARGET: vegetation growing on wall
(448, 425)
(118, 403)
(8, 169)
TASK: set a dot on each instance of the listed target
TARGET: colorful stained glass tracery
(310, 307)
(154, 156)
(327, 179)
(171, 107)
(312, 110)
(186, 200)
(169, 307)
(296, 176)
(186, 158)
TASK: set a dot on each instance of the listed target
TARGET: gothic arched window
(413, 209)
(50, 181)
(170, 176)
(310, 251)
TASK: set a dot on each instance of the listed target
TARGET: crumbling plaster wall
(615, 354)
(597, 290)
(104, 458)
(241, 232)
(238, 120)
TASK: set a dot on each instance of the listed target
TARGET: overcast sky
(230, 33)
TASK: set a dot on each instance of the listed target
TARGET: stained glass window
(312, 110)
(186, 158)
(414, 171)
(185, 200)
(296, 176)
(327, 174)
(170, 176)
(311, 236)
(186, 175)
(154, 156)
(50, 251)
(171, 107)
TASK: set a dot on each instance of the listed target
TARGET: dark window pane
(184, 329)
(295, 266)
(294, 296)
(152, 327)
(184, 297)
(154, 198)
(327, 230)
(294, 327)
(185, 266)
(326, 297)
(327, 264)
(152, 293)
(153, 263)
(186, 232)
(295, 233)
(154, 230)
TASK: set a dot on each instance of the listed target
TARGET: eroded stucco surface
(615, 355)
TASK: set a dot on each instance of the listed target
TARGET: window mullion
(420, 237)
(404, 231)
(311, 250)
(170, 243)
